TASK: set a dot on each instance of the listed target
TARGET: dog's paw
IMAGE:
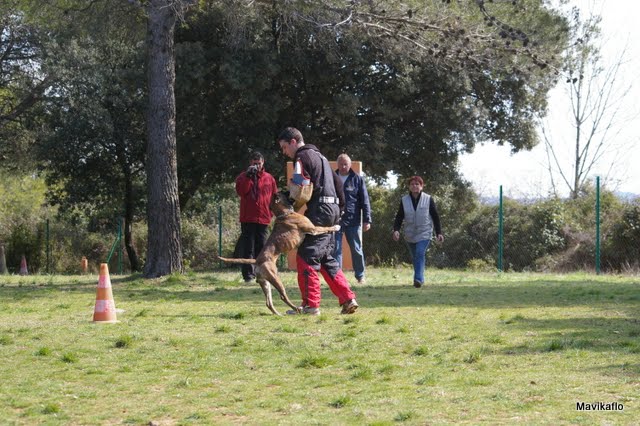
(336, 228)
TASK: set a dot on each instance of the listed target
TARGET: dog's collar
(284, 214)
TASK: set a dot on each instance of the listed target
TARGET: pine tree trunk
(3, 260)
(164, 251)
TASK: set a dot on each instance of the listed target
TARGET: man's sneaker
(249, 279)
(417, 284)
(361, 280)
(306, 310)
(310, 311)
(349, 307)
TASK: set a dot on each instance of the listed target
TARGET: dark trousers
(252, 239)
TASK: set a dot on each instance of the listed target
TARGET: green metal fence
(594, 233)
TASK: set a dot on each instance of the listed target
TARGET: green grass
(470, 348)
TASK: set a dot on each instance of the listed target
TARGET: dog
(289, 230)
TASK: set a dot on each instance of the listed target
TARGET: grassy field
(468, 348)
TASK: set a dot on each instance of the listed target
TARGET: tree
(23, 81)
(596, 94)
(467, 48)
(492, 74)
(164, 251)
(243, 74)
(93, 155)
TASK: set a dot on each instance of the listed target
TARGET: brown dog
(288, 232)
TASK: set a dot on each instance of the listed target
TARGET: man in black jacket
(323, 208)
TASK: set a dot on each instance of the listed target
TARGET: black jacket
(326, 185)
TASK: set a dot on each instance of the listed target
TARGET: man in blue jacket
(357, 208)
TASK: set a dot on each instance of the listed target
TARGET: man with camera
(255, 187)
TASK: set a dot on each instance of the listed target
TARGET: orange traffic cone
(23, 266)
(105, 310)
(84, 264)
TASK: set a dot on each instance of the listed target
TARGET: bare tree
(596, 93)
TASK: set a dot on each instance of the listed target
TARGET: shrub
(198, 245)
(621, 250)
(481, 265)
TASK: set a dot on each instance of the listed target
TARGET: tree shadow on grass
(563, 334)
(510, 295)
(600, 332)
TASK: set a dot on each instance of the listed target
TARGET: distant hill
(495, 200)
(627, 196)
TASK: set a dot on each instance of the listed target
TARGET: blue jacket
(356, 201)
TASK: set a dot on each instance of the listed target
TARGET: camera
(252, 170)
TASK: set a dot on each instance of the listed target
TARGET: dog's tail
(244, 261)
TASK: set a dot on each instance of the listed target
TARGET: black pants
(252, 239)
(317, 251)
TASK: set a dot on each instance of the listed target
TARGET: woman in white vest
(418, 211)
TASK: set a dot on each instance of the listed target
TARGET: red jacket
(255, 196)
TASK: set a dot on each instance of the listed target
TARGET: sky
(525, 174)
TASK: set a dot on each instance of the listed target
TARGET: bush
(481, 265)
(198, 245)
(547, 235)
(24, 241)
(621, 250)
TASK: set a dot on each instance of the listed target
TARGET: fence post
(598, 225)
(115, 243)
(220, 233)
(48, 247)
(120, 251)
(500, 234)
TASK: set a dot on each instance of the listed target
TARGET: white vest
(417, 223)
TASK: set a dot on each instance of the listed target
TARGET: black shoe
(417, 284)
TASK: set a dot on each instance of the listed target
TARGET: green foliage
(124, 341)
(51, 408)
(531, 231)
(22, 216)
(621, 250)
(23, 80)
(69, 358)
(94, 151)
(481, 265)
(199, 244)
(476, 236)
(24, 242)
(43, 351)
(341, 401)
(379, 248)
(314, 361)
(397, 109)
(547, 235)
(243, 73)
(23, 201)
